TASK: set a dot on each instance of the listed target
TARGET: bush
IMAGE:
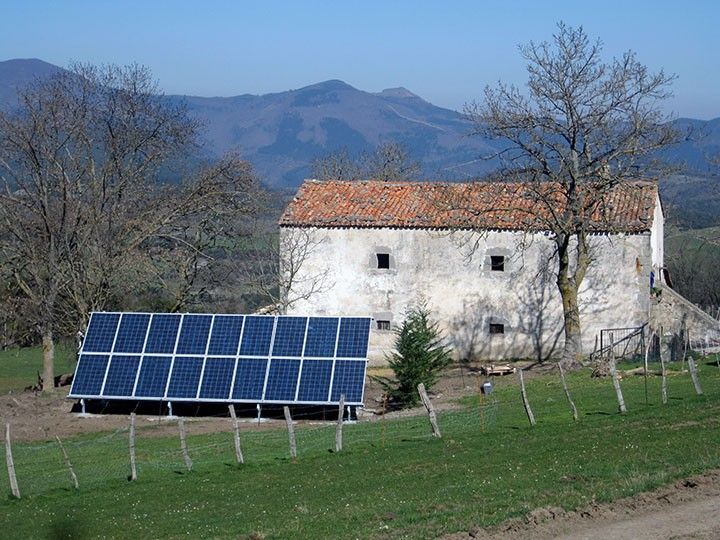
(420, 355)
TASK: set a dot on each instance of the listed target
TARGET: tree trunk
(572, 351)
(48, 346)
(569, 278)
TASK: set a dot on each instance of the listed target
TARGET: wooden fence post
(567, 392)
(523, 394)
(663, 388)
(383, 426)
(339, 426)
(616, 385)
(481, 403)
(11, 464)
(291, 432)
(694, 375)
(131, 447)
(183, 444)
(646, 365)
(68, 464)
(430, 410)
(236, 429)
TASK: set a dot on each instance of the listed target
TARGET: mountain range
(282, 133)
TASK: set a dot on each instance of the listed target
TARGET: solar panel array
(223, 358)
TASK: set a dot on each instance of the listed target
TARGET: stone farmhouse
(478, 259)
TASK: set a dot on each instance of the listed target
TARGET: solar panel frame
(91, 346)
(158, 360)
(80, 373)
(213, 366)
(142, 357)
(111, 369)
(129, 339)
(302, 358)
(238, 356)
(207, 346)
(237, 360)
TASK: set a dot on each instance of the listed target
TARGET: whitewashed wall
(657, 237)
(452, 274)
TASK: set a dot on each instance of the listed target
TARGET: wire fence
(101, 461)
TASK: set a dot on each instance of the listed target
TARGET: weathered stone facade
(493, 292)
(453, 274)
(678, 320)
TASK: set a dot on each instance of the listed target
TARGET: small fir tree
(420, 355)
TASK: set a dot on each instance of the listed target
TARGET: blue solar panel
(315, 380)
(121, 375)
(251, 358)
(282, 379)
(163, 333)
(349, 379)
(249, 379)
(101, 332)
(153, 377)
(225, 336)
(194, 334)
(256, 336)
(321, 336)
(217, 378)
(132, 332)
(89, 374)
(289, 336)
(353, 338)
(185, 377)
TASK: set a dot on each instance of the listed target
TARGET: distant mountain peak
(329, 85)
(26, 69)
(20, 61)
(398, 92)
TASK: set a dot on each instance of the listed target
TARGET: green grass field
(392, 480)
(19, 367)
(679, 239)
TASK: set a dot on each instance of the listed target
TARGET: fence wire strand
(102, 460)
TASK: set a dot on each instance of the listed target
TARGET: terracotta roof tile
(481, 205)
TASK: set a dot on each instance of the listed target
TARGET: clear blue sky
(444, 51)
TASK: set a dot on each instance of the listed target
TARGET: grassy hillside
(693, 258)
(392, 480)
(677, 239)
(20, 367)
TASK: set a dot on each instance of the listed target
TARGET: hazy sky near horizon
(446, 52)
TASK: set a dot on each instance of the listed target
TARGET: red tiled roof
(628, 207)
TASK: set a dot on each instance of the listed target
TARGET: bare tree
(581, 128)
(390, 162)
(336, 166)
(84, 215)
(280, 271)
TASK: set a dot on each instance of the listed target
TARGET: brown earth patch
(689, 508)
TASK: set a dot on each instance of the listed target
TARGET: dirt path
(687, 509)
(697, 519)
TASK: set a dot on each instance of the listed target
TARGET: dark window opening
(497, 328)
(497, 263)
(383, 325)
(383, 260)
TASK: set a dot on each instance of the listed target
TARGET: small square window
(497, 263)
(383, 325)
(383, 260)
(497, 328)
